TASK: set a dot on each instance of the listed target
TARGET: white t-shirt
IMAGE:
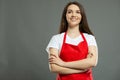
(57, 41)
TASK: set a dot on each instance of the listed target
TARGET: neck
(73, 31)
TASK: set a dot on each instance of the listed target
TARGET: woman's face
(73, 15)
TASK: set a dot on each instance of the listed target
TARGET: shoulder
(58, 36)
(88, 36)
(90, 39)
(55, 41)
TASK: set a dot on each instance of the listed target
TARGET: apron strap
(64, 37)
(83, 36)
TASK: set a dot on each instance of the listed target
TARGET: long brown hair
(83, 26)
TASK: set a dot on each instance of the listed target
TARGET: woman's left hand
(54, 59)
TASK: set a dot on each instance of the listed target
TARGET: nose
(73, 14)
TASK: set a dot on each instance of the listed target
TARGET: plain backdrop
(26, 26)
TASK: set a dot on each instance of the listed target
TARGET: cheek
(67, 17)
(80, 18)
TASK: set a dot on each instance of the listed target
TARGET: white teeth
(73, 19)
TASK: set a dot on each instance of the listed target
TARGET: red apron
(71, 52)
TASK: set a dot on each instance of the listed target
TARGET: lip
(73, 19)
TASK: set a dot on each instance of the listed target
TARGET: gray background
(26, 27)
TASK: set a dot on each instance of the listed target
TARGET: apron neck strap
(82, 36)
(64, 37)
(66, 34)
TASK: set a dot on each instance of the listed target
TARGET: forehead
(73, 7)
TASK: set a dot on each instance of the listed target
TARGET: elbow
(94, 64)
(53, 68)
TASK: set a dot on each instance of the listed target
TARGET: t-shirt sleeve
(91, 40)
(53, 43)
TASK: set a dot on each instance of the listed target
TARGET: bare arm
(60, 69)
(87, 63)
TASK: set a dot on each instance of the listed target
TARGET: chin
(74, 24)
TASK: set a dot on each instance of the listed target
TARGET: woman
(73, 52)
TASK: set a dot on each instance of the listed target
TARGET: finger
(53, 55)
(51, 60)
(89, 55)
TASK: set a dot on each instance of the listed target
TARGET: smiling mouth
(73, 19)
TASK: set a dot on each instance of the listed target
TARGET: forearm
(80, 64)
(57, 68)
(86, 63)
(63, 70)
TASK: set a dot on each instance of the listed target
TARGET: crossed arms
(57, 65)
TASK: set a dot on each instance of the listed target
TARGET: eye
(78, 12)
(69, 11)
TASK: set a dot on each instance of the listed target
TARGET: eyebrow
(71, 10)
